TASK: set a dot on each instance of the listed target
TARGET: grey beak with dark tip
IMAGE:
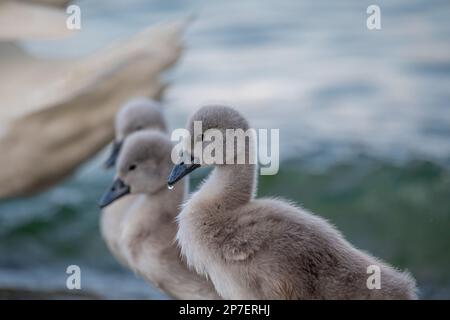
(179, 171)
(115, 150)
(117, 190)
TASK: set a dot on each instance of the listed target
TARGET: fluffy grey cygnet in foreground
(268, 248)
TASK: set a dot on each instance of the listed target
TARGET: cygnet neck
(230, 186)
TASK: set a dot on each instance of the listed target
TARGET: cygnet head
(136, 115)
(216, 121)
(143, 166)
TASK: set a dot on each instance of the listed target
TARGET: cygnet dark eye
(138, 128)
(132, 167)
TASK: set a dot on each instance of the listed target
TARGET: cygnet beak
(115, 150)
(179, 171)
(117, 190)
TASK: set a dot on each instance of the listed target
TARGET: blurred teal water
(364, 121)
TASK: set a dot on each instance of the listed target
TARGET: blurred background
(364, 121)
